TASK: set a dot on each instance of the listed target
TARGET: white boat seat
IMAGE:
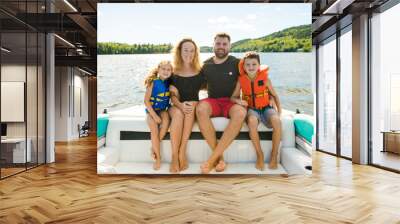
(128, 145)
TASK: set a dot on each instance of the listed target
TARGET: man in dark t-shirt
(220, 73)
(221, 78)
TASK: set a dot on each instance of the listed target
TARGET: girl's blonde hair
(154, 72)
(178, 62)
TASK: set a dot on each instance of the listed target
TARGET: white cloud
(241, 25)
(220, 20)
(226, 23)
(158, 27)
(251, 17)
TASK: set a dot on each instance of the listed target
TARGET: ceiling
(74, 22)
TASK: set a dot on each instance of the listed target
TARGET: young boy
(256, 90)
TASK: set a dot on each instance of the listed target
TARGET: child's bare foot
(273, 163)
(183, 164)
(174, 167)
(157, 164)
(205, 168)
(220, 166)
(260, 161)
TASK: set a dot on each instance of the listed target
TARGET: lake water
(120, 78)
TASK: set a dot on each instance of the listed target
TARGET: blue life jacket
(160, 95)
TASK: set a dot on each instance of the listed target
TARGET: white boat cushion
(138, 124)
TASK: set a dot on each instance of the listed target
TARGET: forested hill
(293, 39)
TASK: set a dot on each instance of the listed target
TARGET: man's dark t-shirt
(220, 78)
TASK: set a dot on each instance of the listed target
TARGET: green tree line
(120, 48)
(293, 39)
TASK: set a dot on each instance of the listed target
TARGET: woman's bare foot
(205, 168)
(153, 154)
(157, 164)
(273, 163)
(174, 167)
(183, 163)
(220, 166)
(260, 161)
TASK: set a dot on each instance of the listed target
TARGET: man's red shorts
(220, 106)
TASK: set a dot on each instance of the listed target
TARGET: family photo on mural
(226, 108)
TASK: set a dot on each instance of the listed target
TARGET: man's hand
(272, 103)
(242, 102)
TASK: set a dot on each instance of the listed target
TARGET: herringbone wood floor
(70, 191)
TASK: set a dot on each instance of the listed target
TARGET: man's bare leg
(203, 115)
(252, 123)
(276, 139)
(237, 115)
(176, 134)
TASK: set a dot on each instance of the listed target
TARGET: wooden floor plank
(70, 191)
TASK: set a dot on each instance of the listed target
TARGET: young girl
(157, 99)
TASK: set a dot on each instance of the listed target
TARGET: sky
(159, 23)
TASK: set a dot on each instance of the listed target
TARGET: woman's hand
(187, 107)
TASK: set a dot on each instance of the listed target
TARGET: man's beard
(221, 54)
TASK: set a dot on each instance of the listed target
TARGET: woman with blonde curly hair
(185, 87)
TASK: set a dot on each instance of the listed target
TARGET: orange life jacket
(255, 91)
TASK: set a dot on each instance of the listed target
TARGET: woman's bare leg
(176, 136)
(187, 130)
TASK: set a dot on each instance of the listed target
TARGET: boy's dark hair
(252, 55)
(222, 35)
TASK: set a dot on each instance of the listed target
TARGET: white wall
(61, 103)
(81, 82)
(14, 73)
(33, 126)
(70, 82)
(12, 101)
(17, 73)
